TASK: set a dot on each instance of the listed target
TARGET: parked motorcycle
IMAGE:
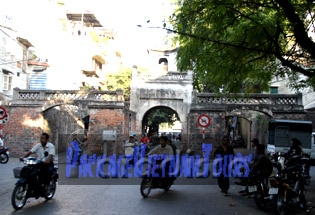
(239, 143)
(288, 191)
(305, 168)
(286, 161)
(29, 184)
(4, 155)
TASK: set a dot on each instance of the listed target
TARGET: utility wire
(1, 26)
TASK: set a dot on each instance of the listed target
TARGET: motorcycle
(285, 160)
(305, 168)
(288, 191)
(150, 182)
(4, 155)
(239, 143)
(29, 184)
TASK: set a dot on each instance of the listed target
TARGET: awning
(89, 73)
(88, 18)
(310, 105)
(99, 58)
(24, 42)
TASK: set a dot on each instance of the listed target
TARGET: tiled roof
(38, 63)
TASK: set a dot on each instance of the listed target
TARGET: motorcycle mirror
(46, 154)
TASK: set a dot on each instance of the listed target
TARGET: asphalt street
(126, 199)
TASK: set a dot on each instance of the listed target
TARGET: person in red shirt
(144, 139)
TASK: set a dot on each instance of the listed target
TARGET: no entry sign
(3, 113)
(204, 120)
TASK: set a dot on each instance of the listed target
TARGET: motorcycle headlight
(273, 182)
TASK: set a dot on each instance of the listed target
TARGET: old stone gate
(63, 112)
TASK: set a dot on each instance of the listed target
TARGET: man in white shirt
(163, 149)
(40, 149)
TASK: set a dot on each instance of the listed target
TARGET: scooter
(29, 184)
(286, 194)
(150, 182)
(4, 155)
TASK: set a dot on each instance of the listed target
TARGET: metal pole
(203, 135)
(82, 20)
(1, 124)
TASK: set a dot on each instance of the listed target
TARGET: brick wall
(23, 129)
(107, 119)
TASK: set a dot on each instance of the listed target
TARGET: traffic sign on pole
(204, 120)
(6, 119)
(3, 113)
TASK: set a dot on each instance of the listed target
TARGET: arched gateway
(105, 112)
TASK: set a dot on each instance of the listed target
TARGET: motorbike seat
(291, 169)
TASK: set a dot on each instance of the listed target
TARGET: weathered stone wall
(23, 129)
(60, 122)
(213, 133)
(310, 115)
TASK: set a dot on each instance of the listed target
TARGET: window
(274, 90)
(7, 82)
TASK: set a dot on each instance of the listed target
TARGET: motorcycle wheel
(51, 190)
(280, 207)
(146, 185)
(105, 172)
(260, 200)
(167, 187)
(4, 158)
(303, 205)
(19, 196)
(308, 180)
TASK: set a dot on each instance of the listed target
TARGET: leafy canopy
(119, 80)
(156, 116)
(243, 44)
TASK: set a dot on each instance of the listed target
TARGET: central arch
(249, 124)
(162, 109)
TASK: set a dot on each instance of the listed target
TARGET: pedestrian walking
(222, 150)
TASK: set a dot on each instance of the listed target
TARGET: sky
(37, 21)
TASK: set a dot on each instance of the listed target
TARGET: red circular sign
(3, 113)
(204, 120)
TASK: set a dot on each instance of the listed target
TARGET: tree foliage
(119, 80)
(159, 115)
(243, 44)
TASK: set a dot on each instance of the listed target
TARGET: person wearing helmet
(132, 140)
(296, 148)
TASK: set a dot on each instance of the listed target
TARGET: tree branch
(298, 27)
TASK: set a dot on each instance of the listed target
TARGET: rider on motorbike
(296, 148)
(40, 149)
(261, 166)
(163, 149)
(170, 143)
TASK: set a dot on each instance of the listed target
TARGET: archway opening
(162, 120)
(164, 64)
(61, 121)
(244, 125)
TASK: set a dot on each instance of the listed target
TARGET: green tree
(156, 116)
(242, 44)
(119, 80)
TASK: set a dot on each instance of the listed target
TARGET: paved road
(126, 199)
